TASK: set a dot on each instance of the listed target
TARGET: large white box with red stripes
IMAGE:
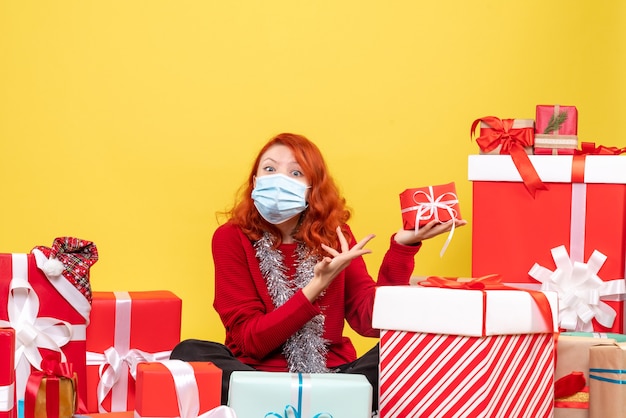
(459, 352)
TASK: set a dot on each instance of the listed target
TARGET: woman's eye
(297, 173)
(269, 168)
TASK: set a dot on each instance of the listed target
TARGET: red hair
(326, 207)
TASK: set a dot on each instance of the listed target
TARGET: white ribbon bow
(31, 332)
(114, 369)
(429, 210)
(580, 290)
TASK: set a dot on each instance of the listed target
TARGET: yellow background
(131, 123)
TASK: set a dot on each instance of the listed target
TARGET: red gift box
(584, 210)
(53, 308)
(127, 328)
(421, 205)
(7, 373)
(162, 386)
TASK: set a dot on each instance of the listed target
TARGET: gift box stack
(45, 298)
(554, 219)
(465, 348)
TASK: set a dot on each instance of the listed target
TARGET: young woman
(289, 272)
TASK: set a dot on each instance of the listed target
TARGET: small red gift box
(7, 373)
(513, 232)
(161, 385)
(421, 205)
(51, 393)
(127, 328)
(50, 307)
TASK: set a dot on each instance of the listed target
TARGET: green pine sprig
(555, 122)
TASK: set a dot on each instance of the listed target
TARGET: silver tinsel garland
(305, 350)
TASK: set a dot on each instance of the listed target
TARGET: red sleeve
(253, 327)
(396, 269)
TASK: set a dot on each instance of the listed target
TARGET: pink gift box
(7, 373)
(133, 326)
(548, 116)
(48, 300)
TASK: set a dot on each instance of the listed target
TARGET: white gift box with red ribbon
(450, 352)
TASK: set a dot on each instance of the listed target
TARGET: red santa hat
(72, 258)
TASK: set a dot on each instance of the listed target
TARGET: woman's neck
(287, 229)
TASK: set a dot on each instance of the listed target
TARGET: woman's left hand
(430, 230)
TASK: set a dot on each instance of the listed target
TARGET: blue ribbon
(606, 379)
(297, 412)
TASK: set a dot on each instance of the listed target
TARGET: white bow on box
(580, 290)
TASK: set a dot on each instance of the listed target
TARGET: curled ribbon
(429, 209)
(492, 282)
(31, 332)
(301, 385)
(512, 141)
(589, 148)
(580, 290)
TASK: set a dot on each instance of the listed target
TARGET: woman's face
(279, 159)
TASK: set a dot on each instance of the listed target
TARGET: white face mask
(279, 198)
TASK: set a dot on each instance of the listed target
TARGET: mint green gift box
(255, 394)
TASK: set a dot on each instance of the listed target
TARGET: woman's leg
(366, 365)
(216, 353)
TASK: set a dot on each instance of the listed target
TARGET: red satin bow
(492, 282)
(513, 141)
(589, 148)
(569, 385)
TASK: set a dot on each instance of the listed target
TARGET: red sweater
(256, 330)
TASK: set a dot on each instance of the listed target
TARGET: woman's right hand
(329, 267)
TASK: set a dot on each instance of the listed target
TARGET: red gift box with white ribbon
(174, 388)
(583, 212)
(127, 328)
(422, 205)
(50, 310)
(465, 351)
(7, 373)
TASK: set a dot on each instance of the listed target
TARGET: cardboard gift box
(607, 385)
(574, 232)
(127, 328)
(51, 307)
(255, 394)
(422, 205)
(52, 392)
(461, 352)
(501, 138)
(174, 388)
(7, 373)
